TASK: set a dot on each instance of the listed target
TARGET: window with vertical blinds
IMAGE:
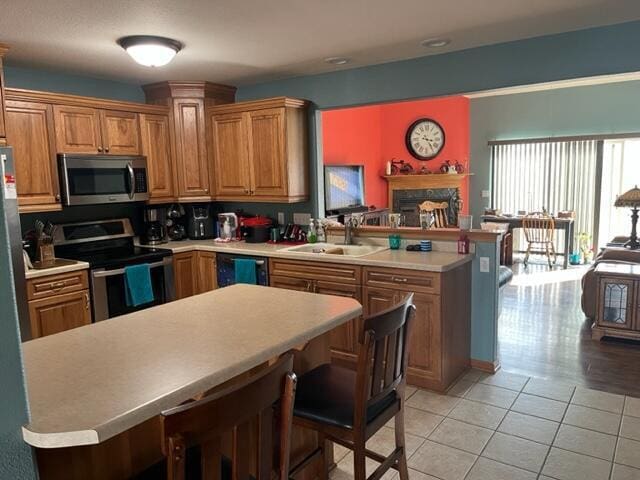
(553, 175)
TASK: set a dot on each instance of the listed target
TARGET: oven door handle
(132, 181)
(120, 271)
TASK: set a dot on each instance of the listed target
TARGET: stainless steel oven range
(108, 247)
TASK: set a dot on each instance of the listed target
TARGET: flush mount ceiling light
(149, 50)
(435, 42)
(337, 60)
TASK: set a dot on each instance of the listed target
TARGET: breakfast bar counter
(92, 383)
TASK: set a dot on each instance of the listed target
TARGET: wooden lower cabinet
(207, 271)
(58, 303)
(185, 274)
(328, 279)
(439, 347)
(194, 273)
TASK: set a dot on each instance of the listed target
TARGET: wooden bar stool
(349, 407)
(204, 422)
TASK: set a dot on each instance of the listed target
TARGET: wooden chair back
(204, 422)
(383, 356)
(538, 228)
(438, 210)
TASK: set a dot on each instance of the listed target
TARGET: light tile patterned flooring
(512, 427)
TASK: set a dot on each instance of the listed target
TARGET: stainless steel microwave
(93, 179)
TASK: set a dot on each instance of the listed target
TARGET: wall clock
(424, 139)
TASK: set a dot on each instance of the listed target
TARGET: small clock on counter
(425, 139)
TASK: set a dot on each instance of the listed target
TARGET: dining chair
(539, 229)
(439, 212)
(348, 407)
(266, 396)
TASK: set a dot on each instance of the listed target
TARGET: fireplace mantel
(432, 180)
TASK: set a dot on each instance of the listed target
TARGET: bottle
(463, 243)
(311, 236)
(322, 237)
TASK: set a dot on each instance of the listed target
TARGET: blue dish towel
(137, 285)
(245, 270)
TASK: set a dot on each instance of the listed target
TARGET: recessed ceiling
(240, 42)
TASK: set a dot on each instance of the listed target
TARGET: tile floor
(512, 427)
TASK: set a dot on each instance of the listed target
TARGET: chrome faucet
(349, 225)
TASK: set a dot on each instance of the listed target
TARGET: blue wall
(597, 109)
(50, 81)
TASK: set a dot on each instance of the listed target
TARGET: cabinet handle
(309, 286)
(57, 286)
(246, 190)
(57, 197)
(86, 301)
(400, 280)
(251, 192)
(99, 149)
(106, 149)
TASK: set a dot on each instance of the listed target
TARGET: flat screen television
(343, 188)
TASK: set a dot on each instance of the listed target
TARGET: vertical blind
(553, 175)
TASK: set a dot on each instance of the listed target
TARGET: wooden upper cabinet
(90, 130)
(267, 153)
(157, 147)
(229, 152)
(274, 132)
(120, 132)
(30, 132)
(77, 129)
(191, 158)
(188, 100)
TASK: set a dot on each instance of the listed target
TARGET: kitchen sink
(335, 249)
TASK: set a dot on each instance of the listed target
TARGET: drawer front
(288, 283)
(332, 272)
(413, 280)
(44, 287)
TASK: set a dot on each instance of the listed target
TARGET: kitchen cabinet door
(344, 339)
(158, 148)
(31, 133)
(229, 155)
(378, 299)
(120, 132)
(425, 344)
(299, 284)
(185, 274)
(207, 272)
(191, 150)
(267, 153)
(59, 313)
(77, 130)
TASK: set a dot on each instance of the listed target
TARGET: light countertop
(436, 261)
(43, 272)
(88, 384)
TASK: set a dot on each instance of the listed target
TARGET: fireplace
(406, 201)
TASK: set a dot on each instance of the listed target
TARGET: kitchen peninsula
(101, 387)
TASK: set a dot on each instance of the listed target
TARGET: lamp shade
(150, 51)
(629, 199)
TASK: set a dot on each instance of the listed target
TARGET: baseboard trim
(484, 366)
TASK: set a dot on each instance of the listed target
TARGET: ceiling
(246, 41)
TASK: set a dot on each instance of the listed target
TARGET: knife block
(46, 255)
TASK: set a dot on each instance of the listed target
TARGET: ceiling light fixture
(435, 42)
(337, 60)
(149, 50)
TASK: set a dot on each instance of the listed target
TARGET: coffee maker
(155, 227)
(199, 222)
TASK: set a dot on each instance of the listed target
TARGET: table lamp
(631, 199)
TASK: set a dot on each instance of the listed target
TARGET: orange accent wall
(372, 135)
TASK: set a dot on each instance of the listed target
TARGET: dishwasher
(226, 269)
